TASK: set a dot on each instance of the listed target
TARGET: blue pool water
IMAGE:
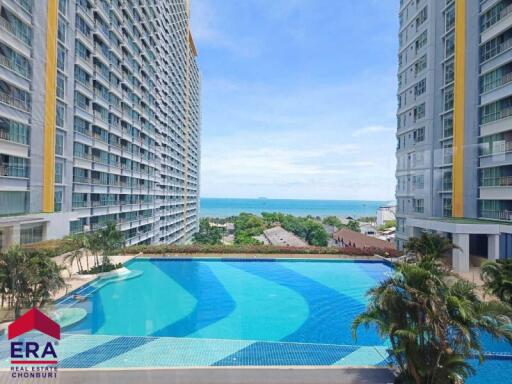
(291, 301)
(238, 312)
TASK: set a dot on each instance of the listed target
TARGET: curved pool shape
(265, 300)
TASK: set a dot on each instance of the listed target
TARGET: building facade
(99, 119)
(454, 131)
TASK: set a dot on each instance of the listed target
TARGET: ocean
(224, 207)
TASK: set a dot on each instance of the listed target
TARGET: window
(447, 153)
(60, 114)
(31, 234)
(82, 26)
(13, 202)
(79, 200)
(61, 85)
(448, 125)
(61, 30)
(63, 6)
(421, 18)
(59, 144)
(418, 182)
(58, 200)
(419, 135)
(449, 45)
(81, 126)
(447, 207)
(61, 58)
(420, 87)
(449, 72)
(448, 98)
(420, 65)
(59, 172)
(419, 112)
(419, 205)
(14, 131)
(81, 50)
(81, 76)
(81, 101)
(447, 181)
(449, 17)
(421, 41)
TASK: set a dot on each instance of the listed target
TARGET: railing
(503, 181)
(5, 135)
(13, 102)
(13, 170)
(10, 64)
(504, 215)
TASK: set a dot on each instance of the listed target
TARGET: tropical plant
(497, 277)
(28, 279)
(429, 246)
(207, 233)
(353, 226)
(333, 221)
(432, 323)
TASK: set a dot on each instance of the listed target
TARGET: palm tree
(81, 243)
(497, 277)
(429, 246)
(110, 240)
(432, 323)
(28, 279)
(75, 256)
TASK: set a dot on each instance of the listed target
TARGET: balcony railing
(13, 102)
(10, 64)
(13, 170)
(503, 181)
(504, 215)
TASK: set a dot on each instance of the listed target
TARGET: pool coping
(222, 375)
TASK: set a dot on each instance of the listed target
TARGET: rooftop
(358, 240)
(279, 236)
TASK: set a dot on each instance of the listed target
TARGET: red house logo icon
(34, 319)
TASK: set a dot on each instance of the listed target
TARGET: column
(493, 247)
(461, 253)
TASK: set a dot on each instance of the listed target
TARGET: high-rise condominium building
(454, 172)
(99, 119)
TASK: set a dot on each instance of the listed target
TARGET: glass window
(59, 171)
(59, 144)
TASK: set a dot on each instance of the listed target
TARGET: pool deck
(222, 375)
(74, 280)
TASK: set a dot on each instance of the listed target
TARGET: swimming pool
(290, 301)
(207, 312)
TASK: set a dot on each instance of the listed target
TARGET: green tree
(387, 225)
(28, 279)
(316, 234)
(248, 225)
(333, 221)
(207, 234)
(433, 325)
(108, 239)
(497, 277)
(430, 246)
(353, 226)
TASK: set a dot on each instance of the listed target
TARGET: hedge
(54, 248)
(255, 249)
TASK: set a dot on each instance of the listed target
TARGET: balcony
(10, 64)
(23, 105)
(14, 171)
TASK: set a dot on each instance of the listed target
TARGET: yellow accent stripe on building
(50, 104)
(459, 107)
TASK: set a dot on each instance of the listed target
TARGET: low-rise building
(345, 238)
(279, 236)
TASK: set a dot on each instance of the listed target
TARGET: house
(368, 229)
(279, 236)
(345, 238)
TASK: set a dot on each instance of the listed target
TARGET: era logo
(20, 350)
(30, 350)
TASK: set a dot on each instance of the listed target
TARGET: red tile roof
(357, 240)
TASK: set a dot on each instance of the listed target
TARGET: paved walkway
(75, 280)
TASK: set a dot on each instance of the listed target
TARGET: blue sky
(298, 98)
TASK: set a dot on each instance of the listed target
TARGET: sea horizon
(225, 207)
